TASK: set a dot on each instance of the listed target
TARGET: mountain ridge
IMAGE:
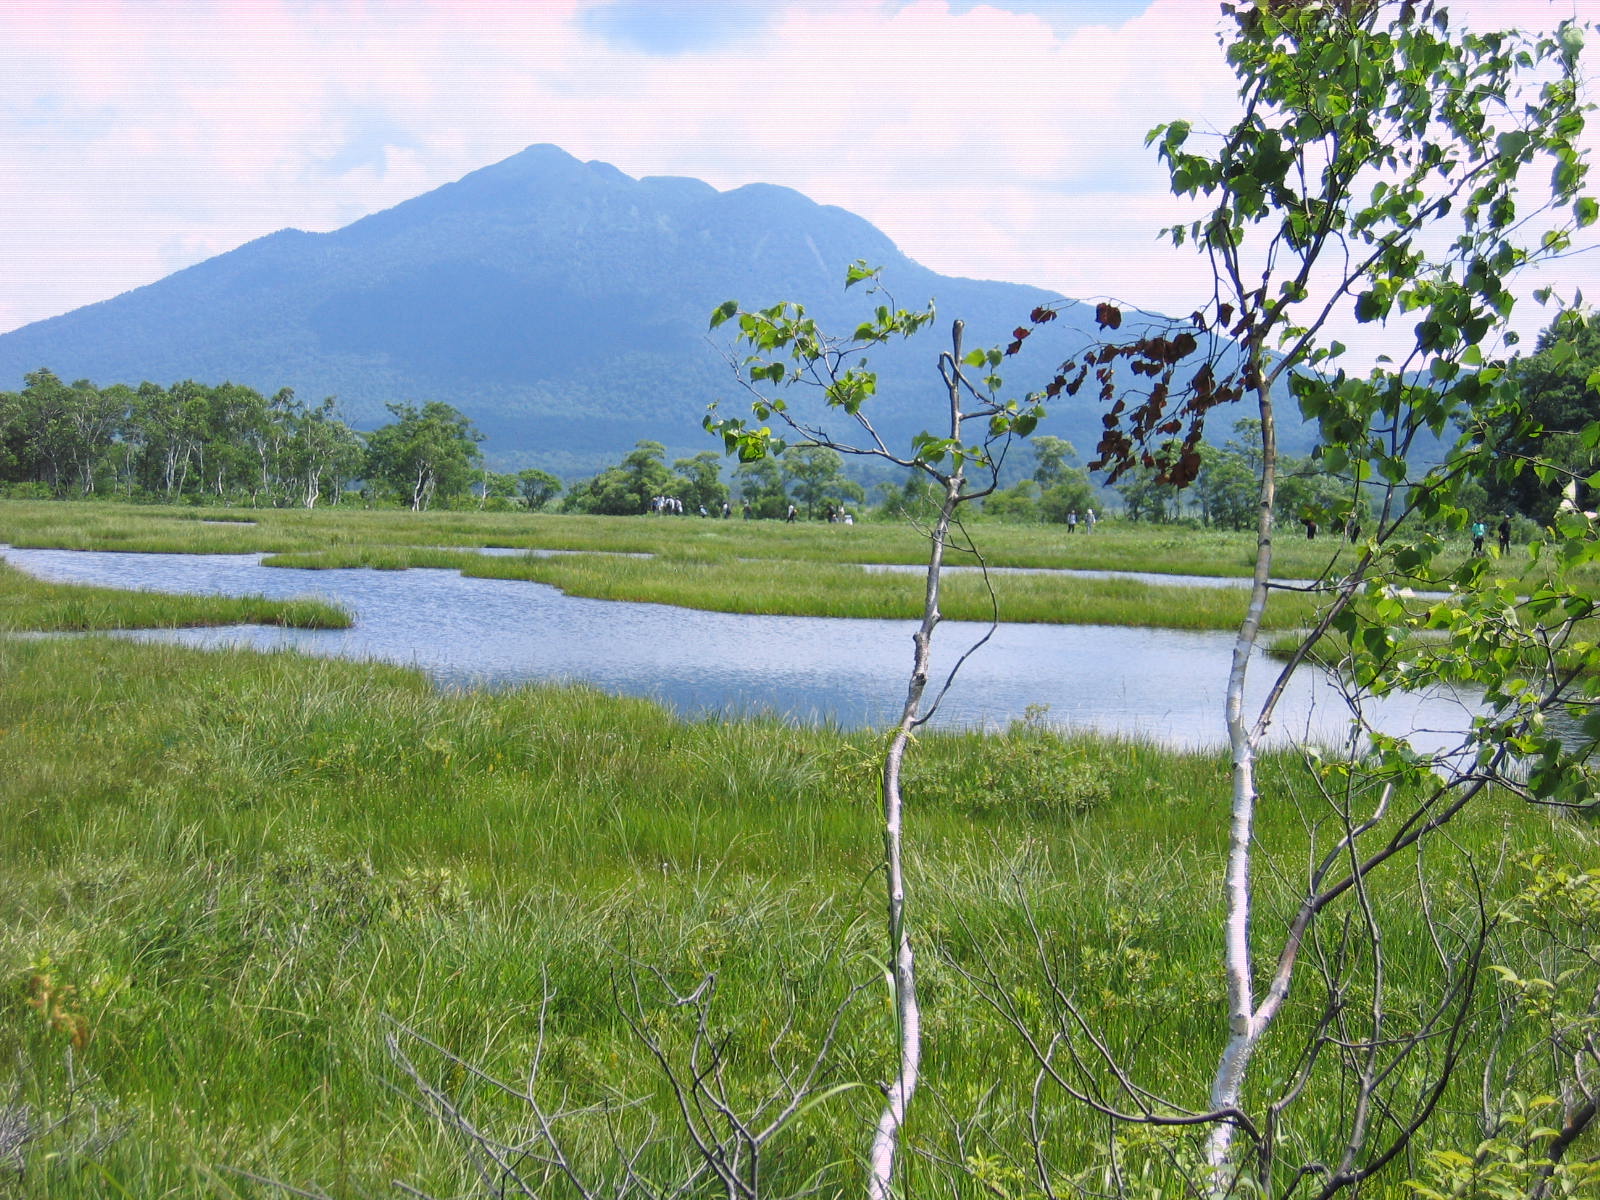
(560, 304)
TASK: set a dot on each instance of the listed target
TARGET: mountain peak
(560, 304)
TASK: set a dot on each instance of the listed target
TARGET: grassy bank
(29, 604)
(729, 566)
(777, 587)
(1114, 545)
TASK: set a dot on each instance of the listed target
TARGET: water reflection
(1162, 684)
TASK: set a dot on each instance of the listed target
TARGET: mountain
(562, 305)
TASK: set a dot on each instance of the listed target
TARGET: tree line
(228, 443)
(1556, 403)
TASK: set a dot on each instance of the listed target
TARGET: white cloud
(139, 137)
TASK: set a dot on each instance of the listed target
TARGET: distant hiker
(793, 513)
(1311, 528)
(703, 511)
(848, 519)
(747, 513)
(1503, 530)
(1072, 521)
(1088, 521)
(1352, 529)
(1478, 530)
(727, 510)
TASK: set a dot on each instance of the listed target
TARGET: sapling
(788, 349)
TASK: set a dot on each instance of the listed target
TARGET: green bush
(1029, 769)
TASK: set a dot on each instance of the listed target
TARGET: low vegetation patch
(29, 604)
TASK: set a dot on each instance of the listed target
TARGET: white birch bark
(1245, 1022)
(886, 1136)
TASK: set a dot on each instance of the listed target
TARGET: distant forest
(229, 444)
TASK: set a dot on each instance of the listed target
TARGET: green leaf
(1510, 145)
(857, 271)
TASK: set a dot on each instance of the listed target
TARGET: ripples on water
(1162, 684)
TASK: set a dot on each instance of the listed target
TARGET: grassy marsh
(226, 874)
(85, 525)
(832, 590)
(729, 566)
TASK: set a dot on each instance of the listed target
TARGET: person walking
(1478, 531)
(793, 513)
(1503, 531)
(1088, 520)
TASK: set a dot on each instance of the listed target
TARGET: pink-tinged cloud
(140, 137)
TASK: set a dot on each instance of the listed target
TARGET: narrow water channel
(1161, 684)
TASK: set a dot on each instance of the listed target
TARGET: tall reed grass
(227, 875)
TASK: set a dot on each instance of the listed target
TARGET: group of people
(1502, 533)
(835, 516)
(672, 506)
(1088, 521)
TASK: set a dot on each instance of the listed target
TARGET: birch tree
(424, 453)
(789, 351)
(815, 388)
(1393, 173)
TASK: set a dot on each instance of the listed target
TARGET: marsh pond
(1165, 685)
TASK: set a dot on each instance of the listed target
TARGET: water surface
(1156, 683)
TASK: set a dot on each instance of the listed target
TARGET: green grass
(1115, 545)
(775, 587)
(729, 566)
(229, 873)
(31, 604)
(224, 876)
(832, 590)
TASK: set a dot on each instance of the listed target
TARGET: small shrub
(1029, 769)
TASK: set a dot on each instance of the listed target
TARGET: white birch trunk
(902, 963)
(1245, 1022)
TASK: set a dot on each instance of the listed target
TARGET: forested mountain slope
(562, 305)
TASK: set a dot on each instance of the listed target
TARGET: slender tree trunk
(1245, 1023)
(902, 962)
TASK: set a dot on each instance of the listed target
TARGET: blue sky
(1000, 140)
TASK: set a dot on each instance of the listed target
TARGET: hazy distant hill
(562, 305)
